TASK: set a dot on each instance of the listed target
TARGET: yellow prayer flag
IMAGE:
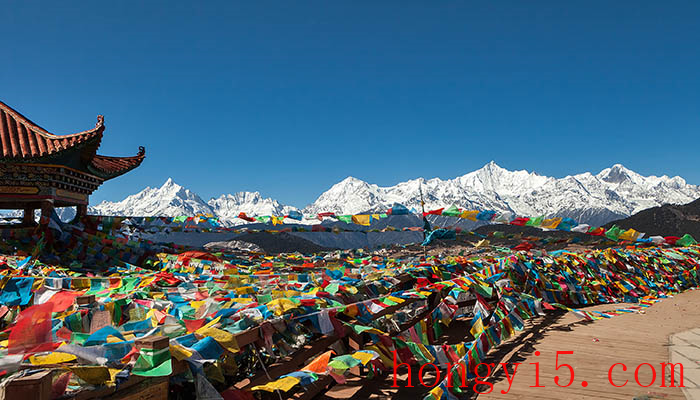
(477, 328)
(283, 384)
(362, 356)
(461, 350)
(225, 339)
(361, 219)
(179, 352)
(382, 354)
(211, 323)
(38, 283)
(437, 392)
(196, 304)
(52, 358)
(113, 376)
(92, 375)
(281, 305)
(146, 281)
(630, 235)
(80, 283)
(551, 223)
(470, 215)
(482, 243)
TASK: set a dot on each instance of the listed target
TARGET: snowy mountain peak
(170, 199)
(171, 187)
(616, 174)
(491, 166)
(228, 206)
(351, 180)
(613, 193)
(596, 199)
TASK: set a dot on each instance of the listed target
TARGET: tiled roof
(21, 139)
(115, 166)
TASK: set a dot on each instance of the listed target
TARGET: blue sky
(287, 98)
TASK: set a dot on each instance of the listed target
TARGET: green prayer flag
(613, 233)
(153, 362)
(332, 288)
(418, 353)
(686, 241)
(345, 218)
(535, 221)
(452, 211)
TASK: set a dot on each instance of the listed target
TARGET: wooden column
(80, 212)
(46, 210)
(28, 217)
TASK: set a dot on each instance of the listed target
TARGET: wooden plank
(248, 336)
(152, 389)
(104, 392)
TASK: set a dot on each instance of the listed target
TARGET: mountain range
(613, 193)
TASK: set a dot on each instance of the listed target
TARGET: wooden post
(153, 342)
(28, 217)
(35, 386)
(46, 210)
(80, 211)
(85, 300)
(356, 342)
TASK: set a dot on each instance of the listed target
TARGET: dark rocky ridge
(666, 220)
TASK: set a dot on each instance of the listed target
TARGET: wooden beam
(289, 364)
(152, 389)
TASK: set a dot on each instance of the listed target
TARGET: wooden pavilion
(40, 170)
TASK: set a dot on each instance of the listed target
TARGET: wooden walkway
(632, 339)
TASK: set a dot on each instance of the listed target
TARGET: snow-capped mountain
(169, 200)
(613, 193)
(228, 206)
(172, 200)
(595, 199)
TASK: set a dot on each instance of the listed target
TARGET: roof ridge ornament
(100, 121)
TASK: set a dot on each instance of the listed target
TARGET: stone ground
(631, 339)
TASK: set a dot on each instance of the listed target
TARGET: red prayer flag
(527, 246)
(33, 329)
(246, 217)
(671, 239)
(434, 212)
(520, 221)
(62, 300)
(597, 232)
(193, 324)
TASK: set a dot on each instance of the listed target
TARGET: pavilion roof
(21, 140)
